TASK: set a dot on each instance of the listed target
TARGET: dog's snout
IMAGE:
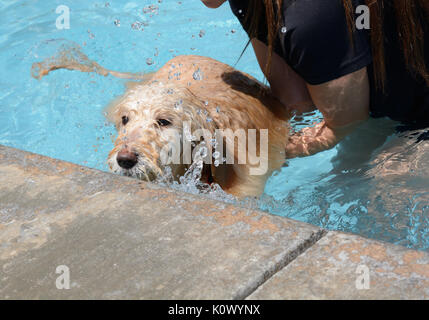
(126, 159)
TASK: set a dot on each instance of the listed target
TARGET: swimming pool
(375, 183)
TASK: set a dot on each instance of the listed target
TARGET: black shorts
(418, 129)
(314, 40)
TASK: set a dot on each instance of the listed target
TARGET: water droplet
(197, 75)
(149, 61)
(203, 152)
(178, 104)
(137, 26)
(284, 29)
(151, 9)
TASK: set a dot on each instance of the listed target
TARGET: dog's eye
(163, 122)
(125, 120)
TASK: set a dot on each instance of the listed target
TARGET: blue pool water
(375, 183)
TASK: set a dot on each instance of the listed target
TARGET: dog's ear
(112, 111)
(213, 170)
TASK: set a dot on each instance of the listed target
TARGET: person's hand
(311, 140)
(344, 103)
(213, 3)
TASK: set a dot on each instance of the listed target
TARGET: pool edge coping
(303, 249)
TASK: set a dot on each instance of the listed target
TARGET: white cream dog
(193, 98)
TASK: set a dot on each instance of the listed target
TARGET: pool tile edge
(125, 239)
(347, 266)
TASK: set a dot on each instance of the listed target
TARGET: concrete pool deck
(121, 238)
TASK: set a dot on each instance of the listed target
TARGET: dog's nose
(126, 159)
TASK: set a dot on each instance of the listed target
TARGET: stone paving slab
(125, 239)
(331, 267)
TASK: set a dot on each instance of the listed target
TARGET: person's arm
(213, 3)
(344, 103)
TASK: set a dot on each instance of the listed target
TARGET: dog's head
(152, 121)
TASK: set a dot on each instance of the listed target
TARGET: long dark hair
(409, 23)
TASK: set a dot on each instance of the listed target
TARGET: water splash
(191, 182)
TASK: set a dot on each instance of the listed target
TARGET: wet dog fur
(209, 95)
